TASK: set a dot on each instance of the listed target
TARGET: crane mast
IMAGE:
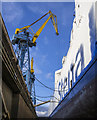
(24, 38)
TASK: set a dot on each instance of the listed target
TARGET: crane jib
(26, 27)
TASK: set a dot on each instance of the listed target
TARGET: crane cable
(44, 101)
(44, 84)
(46, 97)
(49, 87)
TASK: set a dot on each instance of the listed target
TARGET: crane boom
(19, 30)
(42, 103)
(52, 16)
(40, 30)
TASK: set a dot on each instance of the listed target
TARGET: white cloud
(49, 76)
(41, 113)
(46, 40)
(66, 18)
(12, 14)
(36, 48)
(37, 9)
(44, 59)
(37, 70)
(34, 52)
(38, 62)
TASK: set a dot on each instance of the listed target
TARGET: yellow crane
(54, 22)
(24, 38)
(52, 16)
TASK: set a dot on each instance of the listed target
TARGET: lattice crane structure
(23, 39)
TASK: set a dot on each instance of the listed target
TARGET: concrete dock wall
(16, 100)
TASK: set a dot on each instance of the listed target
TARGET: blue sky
(50, 48)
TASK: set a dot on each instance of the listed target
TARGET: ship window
(70, 83)
(65, 82)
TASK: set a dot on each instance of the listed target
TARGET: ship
(76, 81)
